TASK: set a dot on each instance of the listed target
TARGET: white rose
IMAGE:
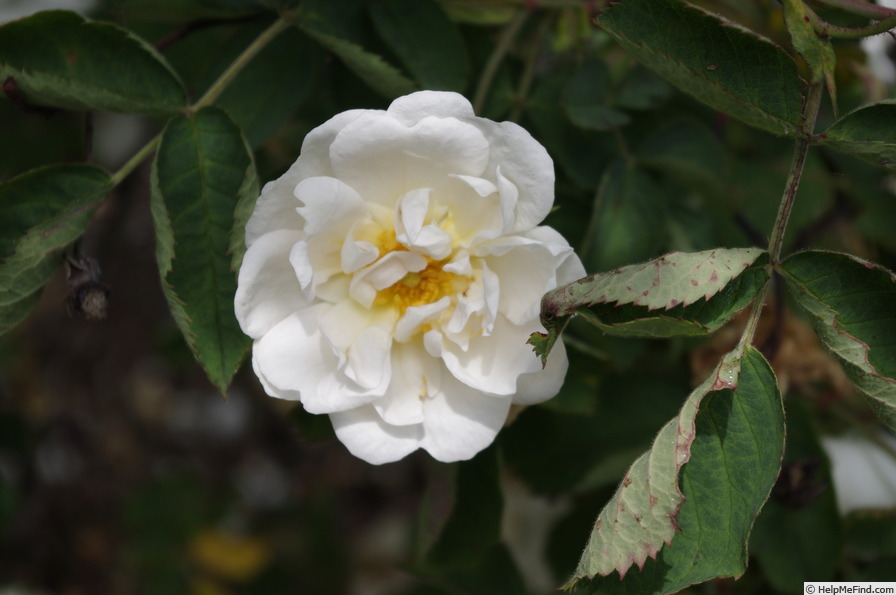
(395, 272)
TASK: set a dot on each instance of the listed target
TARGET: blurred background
(122, 470)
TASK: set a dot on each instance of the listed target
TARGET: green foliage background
(123, 471)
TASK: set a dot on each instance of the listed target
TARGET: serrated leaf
(585, 98)
(426, 41)
(817, 52)
(853, 307)
(203, 169)
(727, 443)
(678, 278)
(868, 132)
(725, 66)
(371, 68)
(59, 59)
(682, 293)
(41, 212)
(703, 317)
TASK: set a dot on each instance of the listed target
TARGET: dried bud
(87, 293)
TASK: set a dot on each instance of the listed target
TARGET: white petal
(412, 108)
(415, 316)
(291, 357)
(368, 358)
(493, 363)
(356, 254)
(509, 196)
(535, 387)
(328, 206)
(385, 158)
(526, 273)
(415, 374)
(368, 437)
(385, 272)
(298, 258)
(267, 290)
(276, 207)
(525, 163)
(460, 421)
(410, 215)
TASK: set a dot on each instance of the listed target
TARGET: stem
(810, 113)
(529, 71)
(826, 29)
(861, 8)
(497, 56)
(237, 65)
(210, 95)
(136, 160)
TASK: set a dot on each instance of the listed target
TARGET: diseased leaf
(817, 52)
(203, 170)
(59, 59)
(699, 488)
(679, 278)
(41, 212)
(426, 41)
(678, 294)
(720, 63)
(868, 132)
(853, 307)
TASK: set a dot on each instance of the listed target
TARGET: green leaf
(719, 62)
(585, 98)
(641, 89)
(59, 59)
(316, 21)
(260, 99)
(868, 132)
(817, 52)
(798, 536)
(202, 171)
(727, 443)
(689, 152)
(678, 294)
(853, 307)
(628, 219)
(426, 41)
(41, 212)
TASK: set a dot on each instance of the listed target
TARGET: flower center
(420, 288)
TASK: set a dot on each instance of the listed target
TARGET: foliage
(712, 163)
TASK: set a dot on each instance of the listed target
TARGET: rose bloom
(395, 272)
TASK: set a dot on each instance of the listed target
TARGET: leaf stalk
(826, 29)
(211, 94)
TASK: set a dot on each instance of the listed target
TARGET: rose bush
(395, 271)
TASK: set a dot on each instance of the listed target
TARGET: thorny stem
(861, 8)
(801, 147)
(497, 56)
(210, 95)
(826, 29)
